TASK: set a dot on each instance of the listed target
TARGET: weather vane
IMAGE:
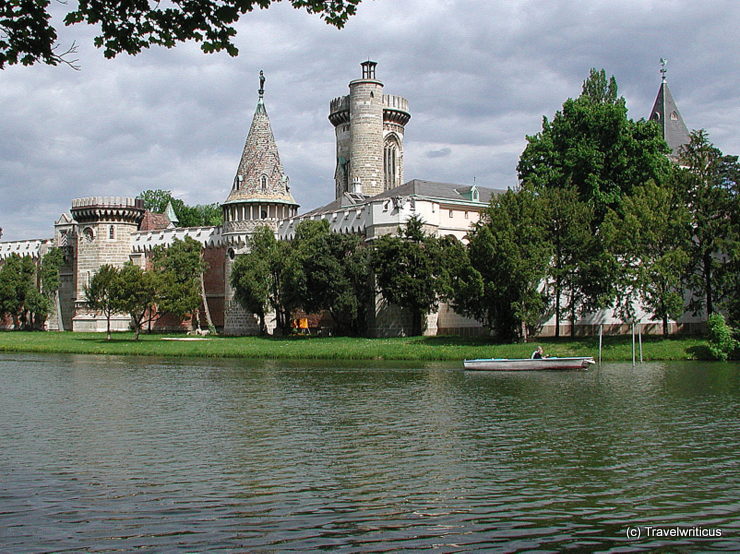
(663, 69)
(262, 84)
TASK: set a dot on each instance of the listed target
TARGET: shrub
(721, 342)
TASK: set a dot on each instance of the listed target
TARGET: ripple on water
(103, 453)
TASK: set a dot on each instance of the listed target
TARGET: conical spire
(260, 175)
(170, 213)
(666, 113)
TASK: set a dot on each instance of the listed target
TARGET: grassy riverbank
(338, 348)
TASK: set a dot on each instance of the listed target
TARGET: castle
(371, 199)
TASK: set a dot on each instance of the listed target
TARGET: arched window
(391, 160)
(111, 232)
(263, 183)
(88, 234)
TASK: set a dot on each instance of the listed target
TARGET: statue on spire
(663, 69)
(262, 84)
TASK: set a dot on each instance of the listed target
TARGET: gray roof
(440, 191)
(431, 190)
(665, 112)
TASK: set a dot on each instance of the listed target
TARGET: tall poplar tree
(710, 181)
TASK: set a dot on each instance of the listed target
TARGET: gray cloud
(478, 75)
(441, 153)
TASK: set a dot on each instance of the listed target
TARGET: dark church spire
(665, 112)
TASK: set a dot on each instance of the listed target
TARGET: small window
(111, 232)
(451, 213)
(263, 182)
(232, 254)
(264, 214)
(466, 215)
(88, 234)
(674, 116)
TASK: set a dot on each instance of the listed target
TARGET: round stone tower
(103, 236)
(369, 128)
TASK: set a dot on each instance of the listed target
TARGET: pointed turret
(260, 176)
(666, 113)
(169, 211)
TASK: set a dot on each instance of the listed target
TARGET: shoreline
(437, 348)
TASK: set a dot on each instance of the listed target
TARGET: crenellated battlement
(34, 248)
(107, 201)
(395, 102)
(339, 110)
(108, 208)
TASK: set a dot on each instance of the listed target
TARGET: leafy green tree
(137, 293)
(568, 228)
(335, 275)
(710, 181)
(181, 270)
(649, 239)
(721, 345)
(268, 277)
(250, 279)
(103, 293)
(509, 248)
(407, 271)
(17, 284)
(49, 282)
(591, 145)
(28, 36)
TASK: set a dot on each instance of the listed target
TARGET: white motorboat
(523, 364)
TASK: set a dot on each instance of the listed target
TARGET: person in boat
(538, 354)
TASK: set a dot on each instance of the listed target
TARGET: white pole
(639, 336)
(601, 337)
(633, 345)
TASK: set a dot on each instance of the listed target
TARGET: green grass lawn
(344, 348)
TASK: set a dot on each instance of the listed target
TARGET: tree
(27, 35)
(49, 281)
(407, 271)
(568, 229)
(710, 181)
(509, 248)
(335, 275)
(137, 291)
(591, 145)
(200, 215)
(268, 277)
(17, 284)
(181, 270)
(649, 240)
(103, 293)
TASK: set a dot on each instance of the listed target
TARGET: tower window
(674, 116)
(391, 162)
(111, 232)
(263, 183)
(88, 234)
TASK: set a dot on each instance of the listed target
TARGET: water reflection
(111, 453)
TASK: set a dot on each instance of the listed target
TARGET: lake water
(119, 453)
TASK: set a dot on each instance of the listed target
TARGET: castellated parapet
(369, 127)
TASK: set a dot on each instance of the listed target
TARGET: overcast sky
(479, 76)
